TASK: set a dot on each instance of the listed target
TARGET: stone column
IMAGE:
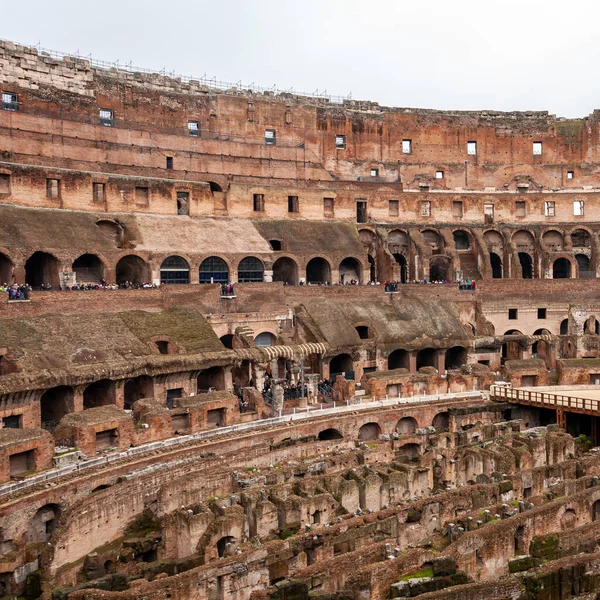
(278, 395)
(120, 393)
(312, 386)
(228, 378)
(78, 397)
(412, 361)
(441, 361)
(258, 375)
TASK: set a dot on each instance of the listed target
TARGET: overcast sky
(461, 54)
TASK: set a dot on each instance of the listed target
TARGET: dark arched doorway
(583, 262)
(439, 268)
(318, 271)
(341, 364)
(350, 270)
(133, 269)
(285, 269)
(399, 359)
(42, 268)
(55, 403)
(88, 268)
(401, 260)
(99, 393)
(561, 268)
(456, 357)
(372, 270)
(526, 265)
(496, 263)
(136, 389)
(6, 269)
(427, 357)
(227, 340)
(461, 240)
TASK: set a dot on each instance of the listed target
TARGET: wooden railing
(544, 398)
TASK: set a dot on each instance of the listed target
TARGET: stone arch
(285, 269)
(214, 269)
(174, 269)
(318, 270)
(113, 230)
(41, 268)
(455, 357)
(212, 378)
(512, 350)
(427, 357)
(524, 240)
(250, 269)
(369, 432)
(265, 339)
(55, 403)
(401, 260)
(496, 264)
(568, 519)
(214, 186)
(225, 546)
(132, 268)
(6, 269)
(526, 265)
(43, 523)
(583, 264)
(99, 393)
(564, 327)
(350, 268)
(329, 434)
(399, 359)
(591, 325)
(553, 239)
(406, 426)
(519, 540)
(462, 239)
(364, 331)
(398, 242)
(561, 268)
(439, 268)
(410, 451)
(88, 268)
(581, 238)
(494, 240)
(432, 238)
(227, 340)
(341, 363)
(137, 388)
(441, 421)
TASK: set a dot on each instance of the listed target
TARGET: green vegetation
(428, 572)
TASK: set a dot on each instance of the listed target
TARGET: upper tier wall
(232, 124)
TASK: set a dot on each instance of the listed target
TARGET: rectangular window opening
(457, 209)
(472, 148)
(521, 209)
(537, 148)
(393, 210)
(425, 208)
(578, 208)
(194, 128)
(169, 162)
(10, 101)
(361, 211)
(293, 204)
(270, 137)
(541, 313)
(53, 188)
(98, 190)
(4, 183)
(406, 146)
(374, 172)
(439, 174)
(328, 207)
(183, 203)
(513, 314)
(259, 202)
(142, 196)
(340, 142)
(570, 174)
(106, 117)
(549, 208)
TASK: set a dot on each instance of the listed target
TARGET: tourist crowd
(16, 292)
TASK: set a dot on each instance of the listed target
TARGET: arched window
(214, 270)
(174, 269)
(285, 269)
(461, 240)
(134, 269)
(250, 269)
(561, 269)
(264, 339)
(318, 271)
(88, 268)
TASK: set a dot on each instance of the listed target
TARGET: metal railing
(298, 415)
(546, 398)
(210, 82)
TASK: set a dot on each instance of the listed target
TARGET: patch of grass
(428, 572)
